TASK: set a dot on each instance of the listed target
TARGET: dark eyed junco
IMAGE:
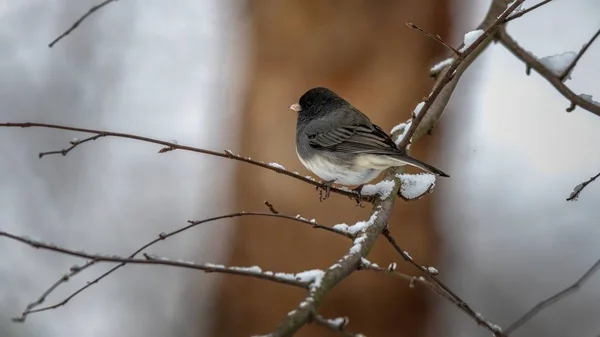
(339, 143)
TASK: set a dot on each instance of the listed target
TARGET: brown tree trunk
(363, 51)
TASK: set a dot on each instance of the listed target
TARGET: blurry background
(219, 75)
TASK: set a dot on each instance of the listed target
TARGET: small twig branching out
(318, 283)
(32, 308)
(533, 63)
(434, 37)
(171, 146)
(577, 189)
(526, 10)
(585, 47)
(79, 21)
(554, 298)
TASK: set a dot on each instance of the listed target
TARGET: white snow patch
(252, 269)
(589, 98)
(338, 322)
(383, 188)
(415, 185)
(432, 270)
(402, 127)
(418, 108)
(469, 38)
(355, 249)
(441, 65)
(277, 166)
(341, 227)
(558, 63)
(314, 277)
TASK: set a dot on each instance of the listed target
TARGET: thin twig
(494, 329)
(449, 73)
(554, 298)
(74, 144)
(526, 10)
(153, 260)
(271, 207)
(79, 21)
(533, 63)
(162, 236)
(585, 47)
(577, 189)
(172, 146)
(434, 37)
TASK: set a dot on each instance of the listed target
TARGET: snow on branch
(437, 100)
(318, 283)
(577, 189)
(553, 74)
(33, 307)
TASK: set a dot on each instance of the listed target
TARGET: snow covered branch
(318, 283)
(555, 78)
(577, 189)
(474, 43)
(32, 307)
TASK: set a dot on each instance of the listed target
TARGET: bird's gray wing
(355, 138)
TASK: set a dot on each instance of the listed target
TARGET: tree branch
(31, 308)
(585, 47)
(169, 146)
(444, 290)
(526, 10)
(79, 21)
(377, 223)
(434, 37)
(554, 298)
(577, 189)
(433, 107)
(254, 271)
(533, 63)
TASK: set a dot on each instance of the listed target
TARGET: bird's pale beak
(296, 107)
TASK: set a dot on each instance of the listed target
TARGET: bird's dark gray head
(315, 102)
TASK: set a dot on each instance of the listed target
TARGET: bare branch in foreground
(533, 63)
(554, 298)
(585, 47)
(79, 21)
(577, 189)
(31, 308)
(170, 146)
(253, 271)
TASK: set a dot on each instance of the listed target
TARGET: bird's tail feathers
(418, 164)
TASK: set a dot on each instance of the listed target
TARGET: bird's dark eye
(309, 104)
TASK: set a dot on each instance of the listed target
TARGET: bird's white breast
(344, 175)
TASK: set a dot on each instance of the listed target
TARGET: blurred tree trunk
(363, 51)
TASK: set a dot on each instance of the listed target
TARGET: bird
(340, 144)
